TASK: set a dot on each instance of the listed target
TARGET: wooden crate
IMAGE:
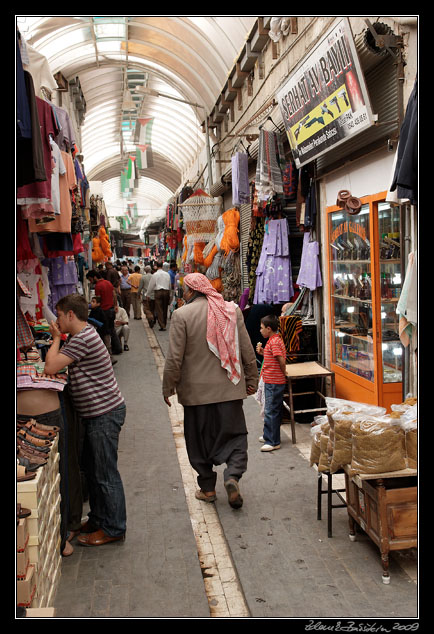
(385, 507)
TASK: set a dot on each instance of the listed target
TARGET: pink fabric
(222, 333)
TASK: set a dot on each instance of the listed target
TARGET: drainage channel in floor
(222, 587)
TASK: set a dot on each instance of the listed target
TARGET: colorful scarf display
(240, 178)
(268, 178)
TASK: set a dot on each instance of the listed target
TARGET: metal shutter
(382, 86)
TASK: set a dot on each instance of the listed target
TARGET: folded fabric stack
(31, 375)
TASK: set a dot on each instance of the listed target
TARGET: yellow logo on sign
(330, 109)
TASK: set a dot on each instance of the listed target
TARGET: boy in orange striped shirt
(273, 374)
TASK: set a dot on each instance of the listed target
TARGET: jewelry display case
(365, 280)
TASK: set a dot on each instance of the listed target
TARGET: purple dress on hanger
(274, 273)
(309, 274)
(62, 277)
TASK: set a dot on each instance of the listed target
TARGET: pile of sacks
(364, 437)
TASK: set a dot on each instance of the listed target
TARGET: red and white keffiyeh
(222, 331)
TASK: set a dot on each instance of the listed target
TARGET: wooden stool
(307, 370)
(329, 492)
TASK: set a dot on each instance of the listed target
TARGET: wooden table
(307, 370)
(385, 506)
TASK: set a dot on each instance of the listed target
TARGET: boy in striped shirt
(273, 374)
(101, 406)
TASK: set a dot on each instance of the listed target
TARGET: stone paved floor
(187, 559)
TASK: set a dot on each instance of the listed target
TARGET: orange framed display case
(365, 281)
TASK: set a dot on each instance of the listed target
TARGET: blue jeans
(100, 457)
(273, 412)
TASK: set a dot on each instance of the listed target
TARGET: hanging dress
(309, 274)
(274, 273)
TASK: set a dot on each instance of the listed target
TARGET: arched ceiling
(187, 57)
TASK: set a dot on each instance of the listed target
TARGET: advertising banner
(325, 101)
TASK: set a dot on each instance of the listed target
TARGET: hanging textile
(290, 181)
(24, 122)
(30, 165)
(407, 304)
(290, 328)
(40, 192)
(268, 170)
(406, 170)
(37, 65)
(67, 184)
(305, 176)
(310, 206)
(63, 278)
(66, 137)
(254, 248)
(24, 334)
(144, 147)
(274, 273)
(240, 179)
(309, 274)
(230, 240)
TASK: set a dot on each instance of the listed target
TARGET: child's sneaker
(269, 447)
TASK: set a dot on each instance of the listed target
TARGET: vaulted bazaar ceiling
(186, 57)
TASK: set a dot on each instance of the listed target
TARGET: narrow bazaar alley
(218, 216)
(183, 558)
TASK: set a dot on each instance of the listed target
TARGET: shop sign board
(324, 100)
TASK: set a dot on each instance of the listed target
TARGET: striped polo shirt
(93, 386)
(271, 372)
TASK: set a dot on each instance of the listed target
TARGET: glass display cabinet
(365, 281)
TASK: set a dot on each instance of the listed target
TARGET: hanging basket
(200, 212)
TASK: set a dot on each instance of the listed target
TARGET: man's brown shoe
(233, 490)
(98, 538)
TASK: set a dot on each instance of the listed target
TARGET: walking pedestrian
(134, 280)
(125, 287)
(101, 406)
(148, 303)
(160, 285)
(112, 276)
(211, 365)
(274, 376)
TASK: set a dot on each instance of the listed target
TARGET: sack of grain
(378, 445)
(342, 444)
(324, 459)
(341, 414)
(335, 405)
(409, 424)
(410, 401)
(315, 433)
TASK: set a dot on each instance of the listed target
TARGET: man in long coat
(211, 365)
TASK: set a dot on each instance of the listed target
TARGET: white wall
(366, 176)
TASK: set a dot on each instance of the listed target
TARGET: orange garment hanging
(184, 254)
(97, 253)
(104, 242)
(217, 284)
(198, 248)
(230, 240)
